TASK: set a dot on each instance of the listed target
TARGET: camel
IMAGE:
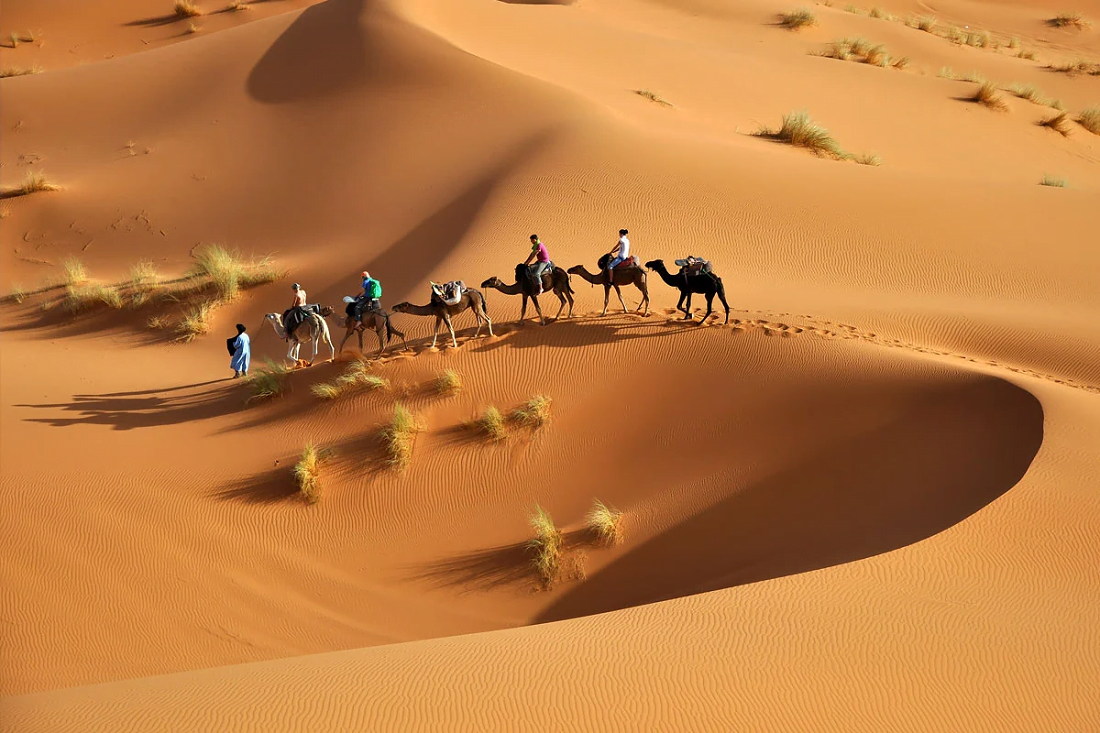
(472, 299)
(700, 283)
(318, 332)
(634, 275)
(558, 280)
(377, 320)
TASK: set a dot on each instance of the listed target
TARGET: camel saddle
(692, 265)
(631, 261)
(295, 316)
(450, 293)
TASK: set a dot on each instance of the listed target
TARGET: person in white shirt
(620, 252)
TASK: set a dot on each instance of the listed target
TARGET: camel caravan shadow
(922, 473)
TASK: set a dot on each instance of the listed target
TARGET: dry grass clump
(877, 13)
(397, 437)
(357, 376)
(268, 382)
(237, 5)
(1077, 68)
(548, 544)
(862, 50)
(25, 37)
(605, 522)
(73, 272)
(1059, 123)
(492, 424)
(307, 472)
(186, 9)
(158, 323)
(87, 295)
(867, 159)
(228, 272)
(1014, 43)
(1069, 20)
(926, 23)
(32, 183)
(1026, 55)
(652, 97)
(19, 71)
(1090, 120)
(1049, 180)
(535, 412)
(988, 97)
(802, 132)
(195, 321)
(144, 276)
(17, 293)
(448, 382)
(192, 28)
(801, 18)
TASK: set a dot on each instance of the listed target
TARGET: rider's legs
(611, 266)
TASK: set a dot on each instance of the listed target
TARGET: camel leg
(522, 309)
(561, 304)
(538, 309)
(621, 301)
(710, 300)
(488, 320)
(722, 297)
(606, 296)
(345, 339)
(381, 344)
(451, 328)
(687, 309)
(435, 333)
(327, 338)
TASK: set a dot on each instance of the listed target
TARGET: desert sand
(867, 502)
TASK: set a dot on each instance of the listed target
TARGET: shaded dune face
(924, 470)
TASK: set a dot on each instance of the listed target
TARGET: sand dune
(864, 503)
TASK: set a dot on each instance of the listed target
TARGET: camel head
(655, 264)
(575, 269)
(275, 318)
(402, 306)
(494, 282)
(326, 311)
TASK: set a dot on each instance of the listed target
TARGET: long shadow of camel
(903, 482)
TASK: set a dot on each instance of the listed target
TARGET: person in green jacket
(369, 300)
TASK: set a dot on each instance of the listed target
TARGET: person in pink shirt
(542, 262)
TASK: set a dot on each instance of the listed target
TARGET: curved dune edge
(801, 482)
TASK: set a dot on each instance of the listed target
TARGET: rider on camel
(542, 262)
(369, 299)
(620, 253)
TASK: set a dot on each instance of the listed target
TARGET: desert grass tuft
(652, 97)
(853, 9)
(32, 183)
(195, 321)
(1059, 123)
(900, 63)
(873, 54)
(19, 71)
(17, 293)
(268, 382)
(237, 5)
(988, 97)
(228, 272)
(144, 276)
(926, 23)
(158, 323)
(492, 424)
(398, 436)
(1026, 55)
(800, 18)
(448, 382)
(186, 9)
(87, 295)
(307, 472)
(73, 271)
(877, 13)
(867, 159)
(1077, 68)
(1090, 120)
(605, 522)
(547, 544)
(535, 412)
(1049, 180)
(193, 28)
(1069, 20)
(802, 132)
(1014, 43)
(356, 377)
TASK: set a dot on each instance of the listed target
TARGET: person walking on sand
(240, 347)
(542, 262)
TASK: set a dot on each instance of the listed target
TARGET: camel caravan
(535, 276)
